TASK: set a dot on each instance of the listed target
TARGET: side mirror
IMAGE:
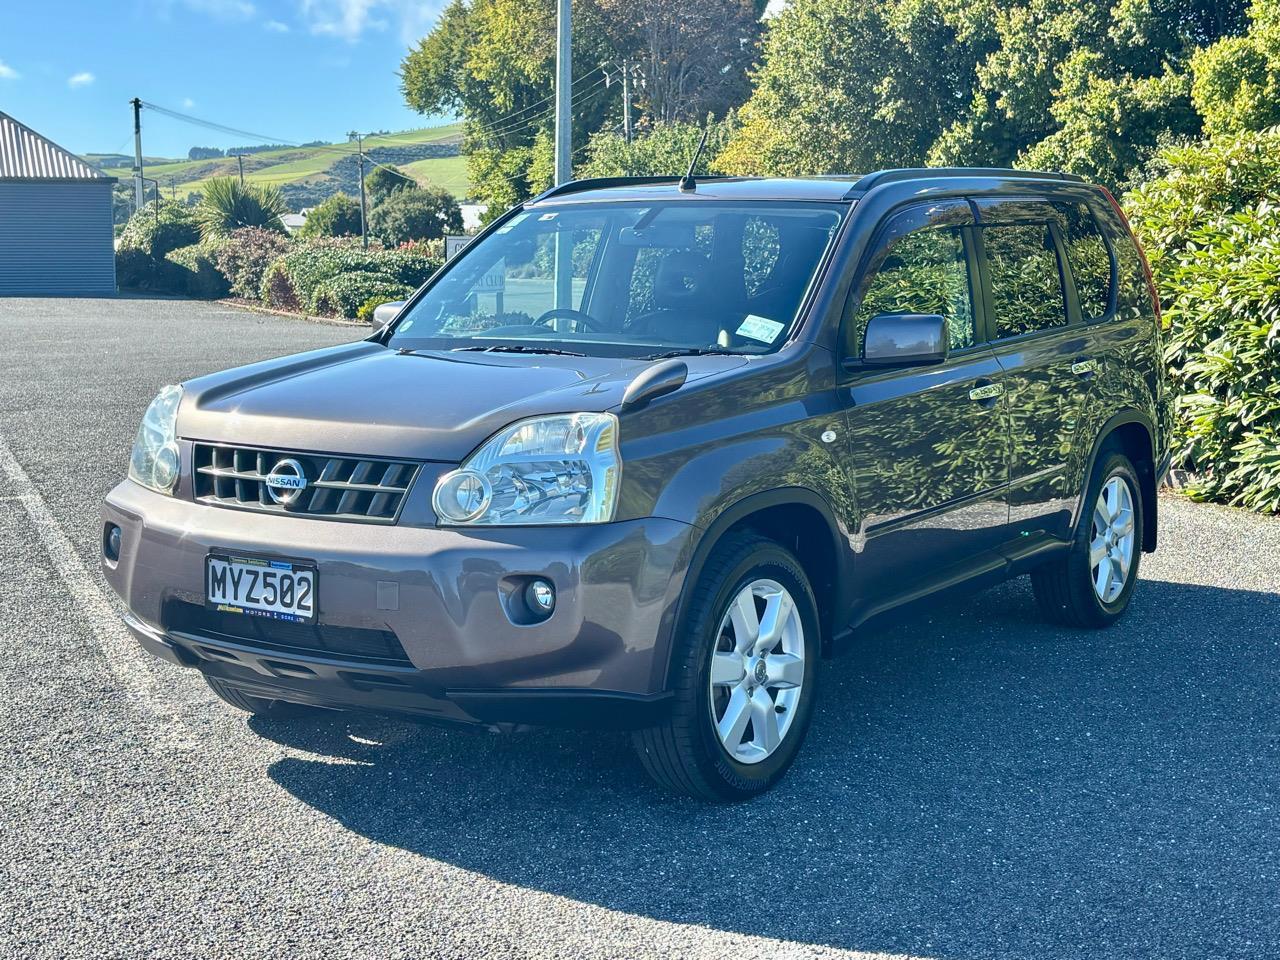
(384, 313)
(905, 340)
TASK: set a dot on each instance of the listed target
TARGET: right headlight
(562, 468)
(154, 461)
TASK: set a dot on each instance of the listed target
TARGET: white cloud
(81, 79)
(7, 72)
(349, 19)
(275, 26)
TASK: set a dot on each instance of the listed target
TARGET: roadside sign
(453, 245)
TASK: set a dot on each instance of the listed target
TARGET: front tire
(743, 673)
(1091, 584)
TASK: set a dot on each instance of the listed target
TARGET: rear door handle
(1085, 368)
(986, 391)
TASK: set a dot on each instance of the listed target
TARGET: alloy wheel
(757, 671)
(1112, 539)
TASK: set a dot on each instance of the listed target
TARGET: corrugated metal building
(55, 218)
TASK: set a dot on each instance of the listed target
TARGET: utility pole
(626, 100)
(138, 198)
(564, 85)
(240, 160)
(359, 139)
(563, 271)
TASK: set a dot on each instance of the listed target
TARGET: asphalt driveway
(977, 784)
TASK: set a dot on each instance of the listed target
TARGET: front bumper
(599, 660)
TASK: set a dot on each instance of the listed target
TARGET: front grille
(339, 488)
(345, 643)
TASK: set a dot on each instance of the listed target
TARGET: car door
(927, 444)
(1044, 347)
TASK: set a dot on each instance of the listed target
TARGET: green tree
(1237, 79)
(421, 214)
(229, 204)
(1093, 87)
(854, 85)
(666, 149)
(381, 181)
(337, 216)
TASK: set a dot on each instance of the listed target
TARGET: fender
(1149, 499)
(739, 510)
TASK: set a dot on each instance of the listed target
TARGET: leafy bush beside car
(245, 255)
(292, 281)
(156, 233)
(1210, 222)
(195, 271)
(345, 294)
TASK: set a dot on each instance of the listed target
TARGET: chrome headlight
(557, 469)
(154, 461)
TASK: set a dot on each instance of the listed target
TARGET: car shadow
(976, 783)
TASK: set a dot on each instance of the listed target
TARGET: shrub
(345, 294)
(157, 232)
(245, 255)
(277, 289)
(365, 312)
(338, 216)
(195, 271)
(421, 214)
(229, 204)
(1211, 224)
(138, 270)
(292, 280)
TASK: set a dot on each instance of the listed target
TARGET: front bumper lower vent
(335, 488)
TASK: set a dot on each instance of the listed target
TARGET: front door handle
(987, 393)
(1085, 368)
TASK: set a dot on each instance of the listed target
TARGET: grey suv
(648, 452)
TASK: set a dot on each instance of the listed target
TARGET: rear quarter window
(1091, 259)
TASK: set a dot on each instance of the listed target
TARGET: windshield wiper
(520, 348)
(691, 352)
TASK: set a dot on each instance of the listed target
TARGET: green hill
(307, 175)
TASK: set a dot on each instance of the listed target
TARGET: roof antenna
(687, 183)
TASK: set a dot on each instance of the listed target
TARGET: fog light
(111, 542)
(541, 597)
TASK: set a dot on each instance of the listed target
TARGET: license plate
(276, 589)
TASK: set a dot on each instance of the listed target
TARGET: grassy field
(313, 166)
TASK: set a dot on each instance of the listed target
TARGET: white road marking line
(124, 658)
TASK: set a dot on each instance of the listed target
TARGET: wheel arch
(1131, 432)
(799, 519)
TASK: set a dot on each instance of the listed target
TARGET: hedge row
(325, 276)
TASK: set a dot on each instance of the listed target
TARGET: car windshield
(623, 279)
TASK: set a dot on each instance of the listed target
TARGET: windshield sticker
(760, 328)
(546, 216)
(512, 223)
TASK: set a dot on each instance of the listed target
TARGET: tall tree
(689, 60)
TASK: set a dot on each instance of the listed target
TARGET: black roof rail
(600, 183)
(871, 180)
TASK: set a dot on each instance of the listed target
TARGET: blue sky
(295, 69)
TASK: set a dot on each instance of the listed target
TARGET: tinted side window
(921, 267)
(1090, 259)
(1026, 281)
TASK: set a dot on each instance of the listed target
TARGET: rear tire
(1071, 590)
(258, 706)
(743, 673)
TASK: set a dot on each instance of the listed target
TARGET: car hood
(365, 398)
